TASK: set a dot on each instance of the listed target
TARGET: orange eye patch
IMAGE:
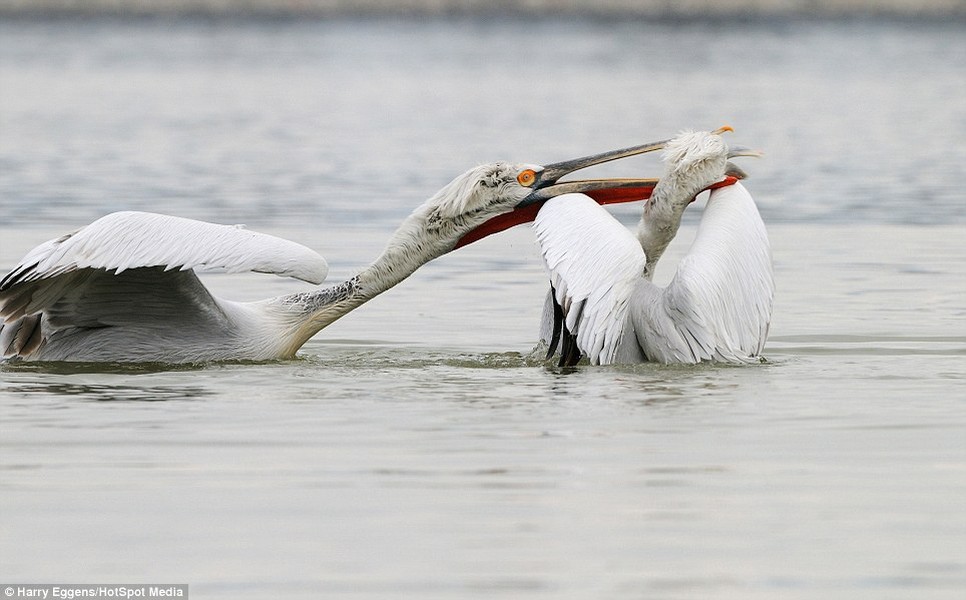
(526, 178)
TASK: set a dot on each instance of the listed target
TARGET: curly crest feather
(475, 190)
(692, 152)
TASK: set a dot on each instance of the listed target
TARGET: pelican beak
(547, 183)
(734, 170)
(734, 151)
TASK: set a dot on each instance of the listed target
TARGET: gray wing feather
(88, 314)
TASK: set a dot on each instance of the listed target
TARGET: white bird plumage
(716, 308)
(124, 288)
(127, 239)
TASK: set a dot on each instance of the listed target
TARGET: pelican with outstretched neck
(124, 288)
(603, 303)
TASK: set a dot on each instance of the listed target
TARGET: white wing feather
(127, 240)
(127, 278)
(719, 304)
(594, 263)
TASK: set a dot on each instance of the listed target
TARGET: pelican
(603, 303)
(124, 288)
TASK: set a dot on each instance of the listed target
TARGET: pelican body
(603, 303)
(125, 289)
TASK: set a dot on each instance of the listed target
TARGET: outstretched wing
(719, 304)
(594, 263)
(87, 279)
(128, 240)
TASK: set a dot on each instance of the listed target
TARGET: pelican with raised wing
(603, 303)
(124, 288)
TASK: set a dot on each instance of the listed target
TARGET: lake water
(416, 448)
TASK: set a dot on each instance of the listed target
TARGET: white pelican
(602, 300)
(124, 289)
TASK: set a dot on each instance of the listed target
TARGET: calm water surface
(419, 448)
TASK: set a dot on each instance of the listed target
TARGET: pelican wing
(594, 263)
(131, 268)
(129, 240)
(719, 304)
(85, 314)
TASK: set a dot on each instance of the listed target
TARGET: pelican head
(698, 158)
(496, 196)
(482, 192)
(464, 210)
(695, 160)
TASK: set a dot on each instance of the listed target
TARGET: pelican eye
(526, 178)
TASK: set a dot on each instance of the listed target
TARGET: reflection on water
(107, 393)
(867, 345)
(81, 368)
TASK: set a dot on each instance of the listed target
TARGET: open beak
(605, 191)
(548, 185)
